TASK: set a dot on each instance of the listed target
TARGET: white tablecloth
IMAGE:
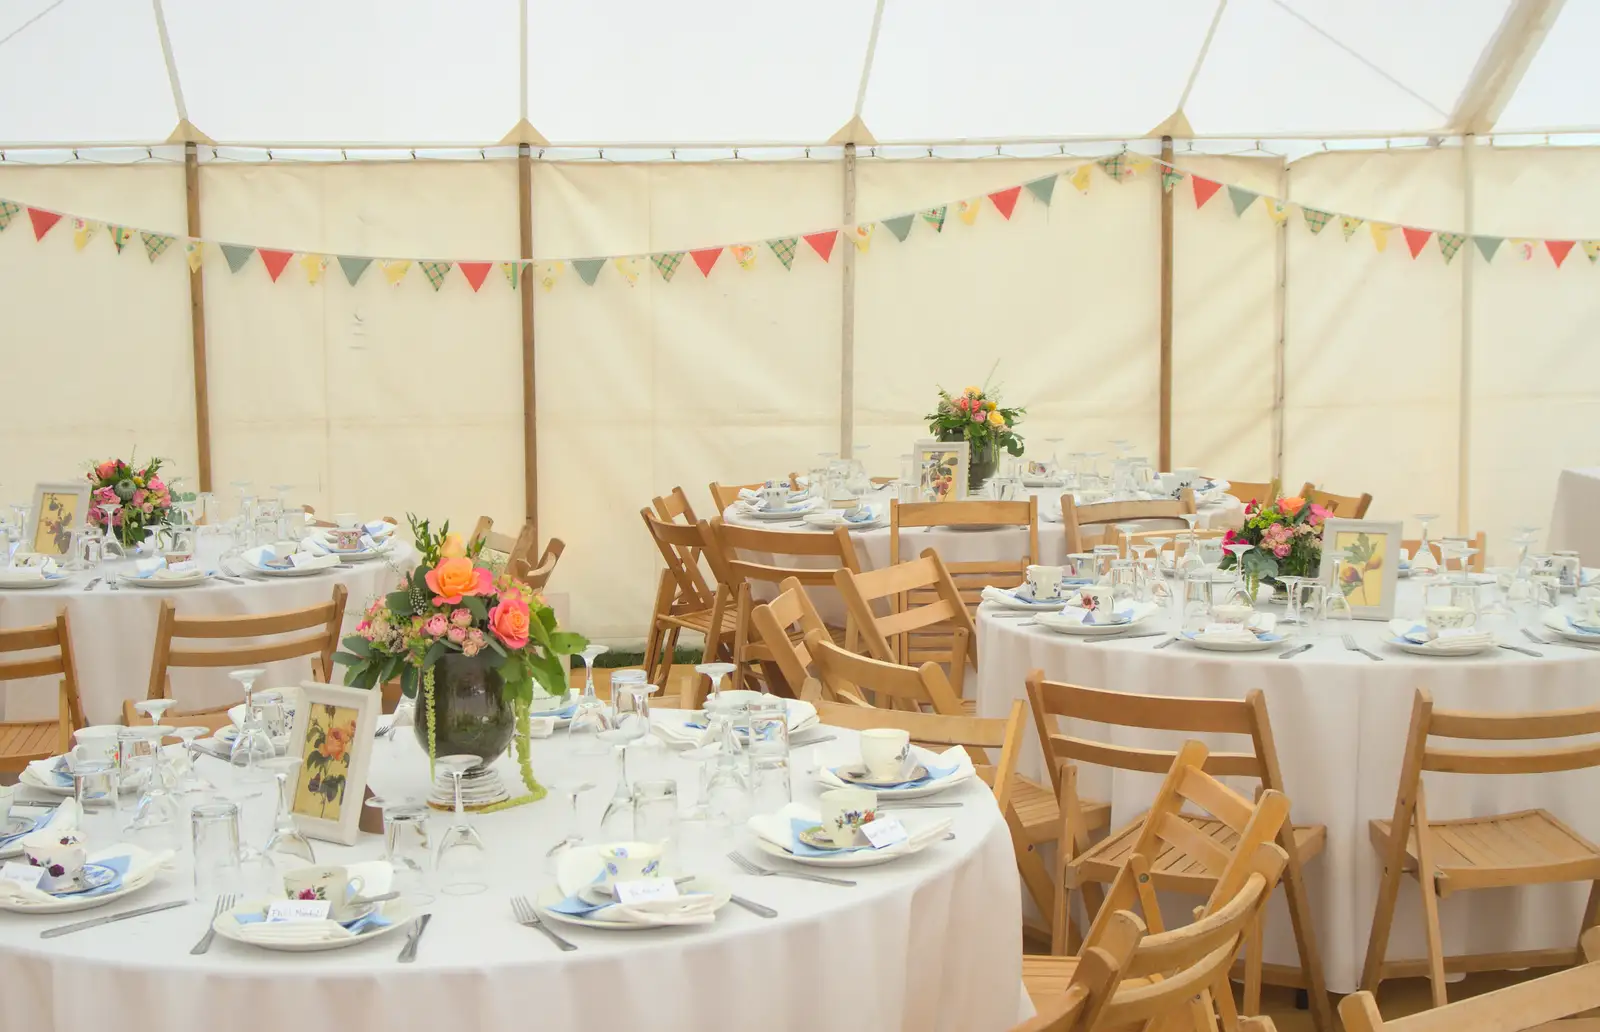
(113, 632)
(1340, 721)
(1575, 523)
(929, 942)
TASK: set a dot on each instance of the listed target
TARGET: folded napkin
(47, 570)
(308, 561)
(1582, 625)
(53, 771)
(685, 908)
(318, 545)
(753, 497)
(935, 773)
(1019, 596)
(861, 514)
(131, 863)
(1464, 640)
(255, 928)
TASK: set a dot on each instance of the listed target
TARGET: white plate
(964, 772)
(165, 582)
(829, 520)
(21, 584)
(1062, 624)
(1199, 641)
(1556, 620)
(579, 867)
(918, 840)
(364, 556)
(396, 911)
(71, 904)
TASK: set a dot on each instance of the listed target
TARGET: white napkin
(141, 867)
(695, 909)
(294, 932)
(143, 568)
(308, 561)
(21, 574)
(1226, 632)
(1012, 598)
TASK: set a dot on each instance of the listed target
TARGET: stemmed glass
(1191, 554)
(157, 814)
(1127, 530)
(1336, 612)
(1238, 593)
(590, 717)
(287, 848)
(108, 512)
(1292, 613)
(630, 703)
(21, 510)
(253, 744)
(590, 653)
(714, 672)
(1160, 593)
(191, 780)
(570, 783)
(1423, 561)
(462, 854)
(154, 708)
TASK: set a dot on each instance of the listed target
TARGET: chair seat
(22, 742)
(1047, 977)
(700, 620)
(1530, 847)
(1174, 869)
(1036, 807)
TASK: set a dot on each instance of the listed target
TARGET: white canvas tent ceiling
(421, 72)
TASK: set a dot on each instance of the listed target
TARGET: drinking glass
(1124, 581)
(630, 704)
(1545, 583)
(1196, 600)
(1238, 593)
(407, 848)
(108, 513)
(1311, 606)
(1336, 613)
(157, 817)
(154, 708)
(768, 755)
(1292, 613)
(655, 811)
(570, 782)
(1423, 561)
(97, 785)
(1080, 565)
(462, 856)
(1104, 556)
(287, 849)
(1191, 553)
(91, 547)
(716, 673)
(725, 786)
(191, 780)
(214, 828)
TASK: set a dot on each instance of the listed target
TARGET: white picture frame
(1375, 552)
(58, 508)
(334, 735)
(941, 470)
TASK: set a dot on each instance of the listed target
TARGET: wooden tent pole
(847, 324)
(197, 322)
(1164, 449)
(530, 400)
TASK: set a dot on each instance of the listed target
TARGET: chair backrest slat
(896, 636)
(844, 671)
(248, 655)
(538, 577)
(253, 626)
(772, 621)
(1079, 521)
(22, 669)
(725, 495)
(675, 508)
(21, 639)
(1527, 1005)
(1353, 507)
(681, 548)
(1067, 748)
(1428, 724)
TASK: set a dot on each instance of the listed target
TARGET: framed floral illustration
(941, 470)
(333, 735)
(1369, 573)
(57, 510)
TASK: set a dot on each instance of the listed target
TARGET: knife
(1519, 648)
(408, 952)
(1124, 636)
(1169, 641)
(1291, 653)
(914, 804)
(751, 905)
(51, 933)
(90, 586)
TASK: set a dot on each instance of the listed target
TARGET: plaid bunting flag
(155, 244)
(1170, 179)
(1277, 210)
(630, 267)
(667, 264)
(194, 252)
(783, 247)
(120, 235)
(1080, 178)
(744, 254)
(547, 273)
(1348, 224)
(1592, 249)
(1450, 243)
(1116, 167)
(436, 272)
(513, 272)
(8, 211)
(315, 265)
(935, 217)
(1316, 220)
(394, 270)
(81, 230)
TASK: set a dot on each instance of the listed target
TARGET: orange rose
(509, 621)
(337, 742)
(454, 578)
(1290, 506)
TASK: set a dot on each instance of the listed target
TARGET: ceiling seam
(1504, 62)
(1371, 65)
(1200, 58)
(866, 65)
(20, 29)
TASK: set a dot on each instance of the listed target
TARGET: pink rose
(156, 484)
(471, 648)
(475, 637)
(509, 621)
(461, 618)
(139, 496)
(977, 416)
(457, 634)
(105, 494)
(435, 626)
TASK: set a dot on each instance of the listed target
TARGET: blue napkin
(800, 848)
(863, 514)
(1417, 635)
(119, 864)
(40, 822)
(1582, 628)
(1100, 619)
(359, 925)
(934, 774)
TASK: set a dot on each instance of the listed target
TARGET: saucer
(860, 776)
(1260, 643)
(227, 925)
(93, 877)
(813, 838)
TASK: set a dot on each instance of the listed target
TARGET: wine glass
(192, 781)
(590, 653)
(154, 708)
(246, 500)
(461, 855)
(714, 672)
(1195, 611)
(253, 744)
(1423, 561)
(1160, 593)
(1238, 593)
(1292, 613)
(1127, 530)
(570, 782)
(1336, 612)
(158, 816)
(287, 849)
(1190, 554)
(108, 514)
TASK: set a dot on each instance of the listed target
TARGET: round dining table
(114, 629)
(931, 941)
(1340, 720)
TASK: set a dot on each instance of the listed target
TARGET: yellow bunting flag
(194, 252)
(1276, 209)
(394, 270)
(744, 254)
(968, 210)
(82, 229)
(1380, 234)
(315, 265)
(1080, 178)
(513, 271)
(1137, 164)
(1348, 224)
(861, 235)
(1592, 249)
(547, 273)
(630, 267)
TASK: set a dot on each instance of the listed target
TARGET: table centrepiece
(975, 416)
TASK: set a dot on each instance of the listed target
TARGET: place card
(25, 875)
(290, 910)
(884, 832)
(182, 566)
(645, 890)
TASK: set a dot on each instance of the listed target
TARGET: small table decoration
(130, 498)
(977, 417)
(479, 649)
(1285, 536)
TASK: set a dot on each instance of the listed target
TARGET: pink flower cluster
(1276, 538)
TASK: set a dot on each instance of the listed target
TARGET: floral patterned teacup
(884, 751)
(334, 884)
(60, 853)
(844, 811)
(631, 861)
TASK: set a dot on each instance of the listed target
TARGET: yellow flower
(973, 392)
(452, 547)
(996, 420)
(991, 406)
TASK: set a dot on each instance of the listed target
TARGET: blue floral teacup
(631, 861)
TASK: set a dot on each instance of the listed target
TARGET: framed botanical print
(941, 470)
(57, 510)
(333, 735)
(1370, 570)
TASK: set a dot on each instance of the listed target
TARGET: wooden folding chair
(480, 532)
(1530, 847)
(1095, 523)
(537, 576)
(516, 550)
(725, 495)
(321, 622)
(1475, 563)
(1248, 492)
(1353, 507)
(1527, 1005)
(927, 621)
(781, 625)
(971, 578)
(1177, 541)
(686, 602)
(46, 651)
(1088, 864)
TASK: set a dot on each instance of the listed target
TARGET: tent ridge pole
(847, 317)
(1280, 345)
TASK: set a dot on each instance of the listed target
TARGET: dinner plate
(71, 903)
(955, 757)
(579, 868)
(860, 776)
(1557, 620)
(291, 571)
(226, 925)
(165, 582)
(31, 584)
(1428, 650)
(1063, 624)
(770, 829)
(365, 555)
(1260, 644)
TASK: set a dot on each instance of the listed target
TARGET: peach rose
(1290, 506)
(452, 547)
(454, 578)
(509, 622)
(337, 741)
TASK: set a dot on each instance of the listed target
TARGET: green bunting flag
(351, 267)
(8, 211)
(237, 255)
(1316, 221)
(1241, 199)
(1449, 244)
(589, 269)
(900, 226)
(436, 272)
(1043, 188)
(1488, 245)
(935, 217)
(783, 247)
(667, 264)
(1170, 179)
(154, 244)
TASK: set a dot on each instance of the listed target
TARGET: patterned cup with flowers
(60, 853)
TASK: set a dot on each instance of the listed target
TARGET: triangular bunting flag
(822, 243)
(315, 265)
(436, 272)
(744, 254)
(588, 269)
(1559, 249)
(513, 271)
(1450, 243)
(82, 229)
(394, 269)
(194, 252)
(1592, 249)
(1043, 188)
(1241, 199)
(1416, 239)
(1524, 248)
(1116, 167)
(120, 235)
(706, 258)
(968, 210)
(1170, 179)
(1137, 163)
(1006, 200)
(861, 235)
(155, 244)
(1348, 224)
(474, 273)
(1316, 221)
(238, 254)
(1204, 190)
(547, 273)
(1277, 210)
(900, 226)
(42, 221)
(935, 217)
(1380, 235)
(1080, 177)
(783, 247)
(667, 264)
(275, 261)
(630, 267)
(1488, 245)
(8, 211)
(352, 267)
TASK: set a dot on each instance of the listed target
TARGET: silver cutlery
(1291, 653)
(1519, 648)
(90, 586)
(1350, 643)
(224, 904)
(751, 867)
(408, 952)
(751, 905)
(528, 916)
(230, 580)
(1013, 614)
(813, 741)
(1164, 644)
(51, 933)
(1123, 636)
(111, 582)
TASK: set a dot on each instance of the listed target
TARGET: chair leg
(1591, 912)
(1382, 922)
(1252, 969)
(1429, 886)
(668, 650)
(1064, 937)
(1294, 887)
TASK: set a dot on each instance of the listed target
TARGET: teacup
(334, 884)
(1095, 598)
(1169, 483)
(60, 853)
(345, 539)
(775, 495)
(1186, 475)
(97, 741)
(177, 557)
(1044, 582)
(1445, 618)
(631, 861)
(1232, 614)
(884, 751)
(844, 811)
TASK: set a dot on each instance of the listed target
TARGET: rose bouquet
(144, 498)
(979, 419)
(1287, 539)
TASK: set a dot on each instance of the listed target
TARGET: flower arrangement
(978, 418)
(1287, 535)
(145, 499)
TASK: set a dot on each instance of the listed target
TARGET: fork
(111, 582)
(751, 867)
(1350, 643)
(528, 916)
(224, 904)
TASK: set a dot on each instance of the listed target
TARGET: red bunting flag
(274, 261)
(1416, 239)
(1204, 190)
(707, 257)
(1006, 200)
(42, 221)
(822, 243)
(1558, 250)
(475, 272)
